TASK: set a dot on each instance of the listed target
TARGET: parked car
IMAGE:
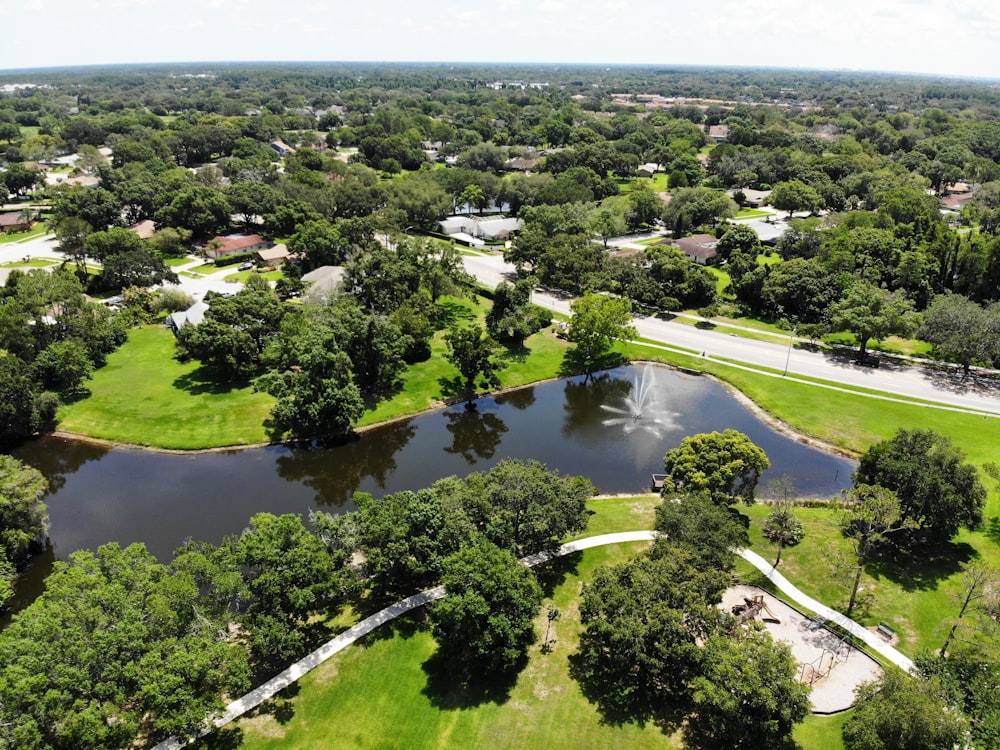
(246, 266)
(867, 360)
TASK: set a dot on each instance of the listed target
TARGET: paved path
(276, 684)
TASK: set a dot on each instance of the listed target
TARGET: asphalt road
(977, 393)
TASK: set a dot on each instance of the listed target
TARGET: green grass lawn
(752, 213)
(31, 263)
(144, 396)
(39, 230)
(377, 694)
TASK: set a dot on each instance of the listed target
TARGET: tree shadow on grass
(551, 575)
(204, 380)
(226, 738)
(616, 709)
(451, 687)
(515, 354)
(452, 388)
(922, 570)
(993, 530)
(451, 313)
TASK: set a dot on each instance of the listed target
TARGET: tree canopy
(727, 464)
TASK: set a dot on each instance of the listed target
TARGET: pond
(613, 428)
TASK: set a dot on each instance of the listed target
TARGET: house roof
(145, 229)
(323, 272)
(235, 242)
(11, 219)
(193, 315)
(697, 245)
(278, 252)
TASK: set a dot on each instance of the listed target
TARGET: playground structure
(751, 607)
(826, 660)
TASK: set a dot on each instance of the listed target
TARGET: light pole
(788, 356)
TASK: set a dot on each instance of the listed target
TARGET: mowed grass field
(380, 693)
(145, 396)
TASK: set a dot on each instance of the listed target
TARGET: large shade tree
(938, 491)
(726, 464)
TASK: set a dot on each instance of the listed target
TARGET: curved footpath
(278, 683)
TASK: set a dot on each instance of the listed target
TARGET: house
(145, 229)
(234, 244)
(752, 198)
(699, 248)
(718, 133)
(274, 256)
(323, 283)
(647, 170)
(194, 315)
(490, 228)
(282, 148)
(521, 165)
(11, 222)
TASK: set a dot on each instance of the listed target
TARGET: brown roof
(236, 243)
(277, 252)
(145, 229)
(695, 246)
(12, 219)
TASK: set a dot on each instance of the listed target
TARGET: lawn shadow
(923, 571)
(515, 354)
(281, 706)
(203, 380)
(552, 574)
(450, 687)
(993, 530)
(403, 627)
(451, 388)
(451, 313)
(616, 709)
(225, 738)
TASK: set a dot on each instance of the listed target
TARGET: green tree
(116, 648)
(316, 395)
(969, 680)
(783, 528)
(870, 312)
(598, 321)
(24, 519)
(523, 507)
(795, 195)
(747, 694)
(961, 330)
(979, 604)
(727, 464)
(62, 367)
(485, 622)
(644, 621)
(708, 531)
(871, 515)
(472, 352)
(739, 238)
(938, 491)
(513, 318)
(406, 536)
(645, 207)
(898, 711)
(606, 224)
(288, 575)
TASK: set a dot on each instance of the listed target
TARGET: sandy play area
(833, 667)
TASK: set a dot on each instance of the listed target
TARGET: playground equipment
(752, 607)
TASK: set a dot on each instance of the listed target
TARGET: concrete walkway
(278, 683)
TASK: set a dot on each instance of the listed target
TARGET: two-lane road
(894, 379)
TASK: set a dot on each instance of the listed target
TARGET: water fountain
(643, 409)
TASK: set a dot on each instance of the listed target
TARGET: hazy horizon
(946, 38)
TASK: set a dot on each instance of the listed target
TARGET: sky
(939, 37)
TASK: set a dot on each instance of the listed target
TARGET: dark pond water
(100, 495)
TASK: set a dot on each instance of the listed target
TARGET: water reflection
(334, 473)
(476, 435)
(100, 495)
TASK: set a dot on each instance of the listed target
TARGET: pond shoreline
(771, 420)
